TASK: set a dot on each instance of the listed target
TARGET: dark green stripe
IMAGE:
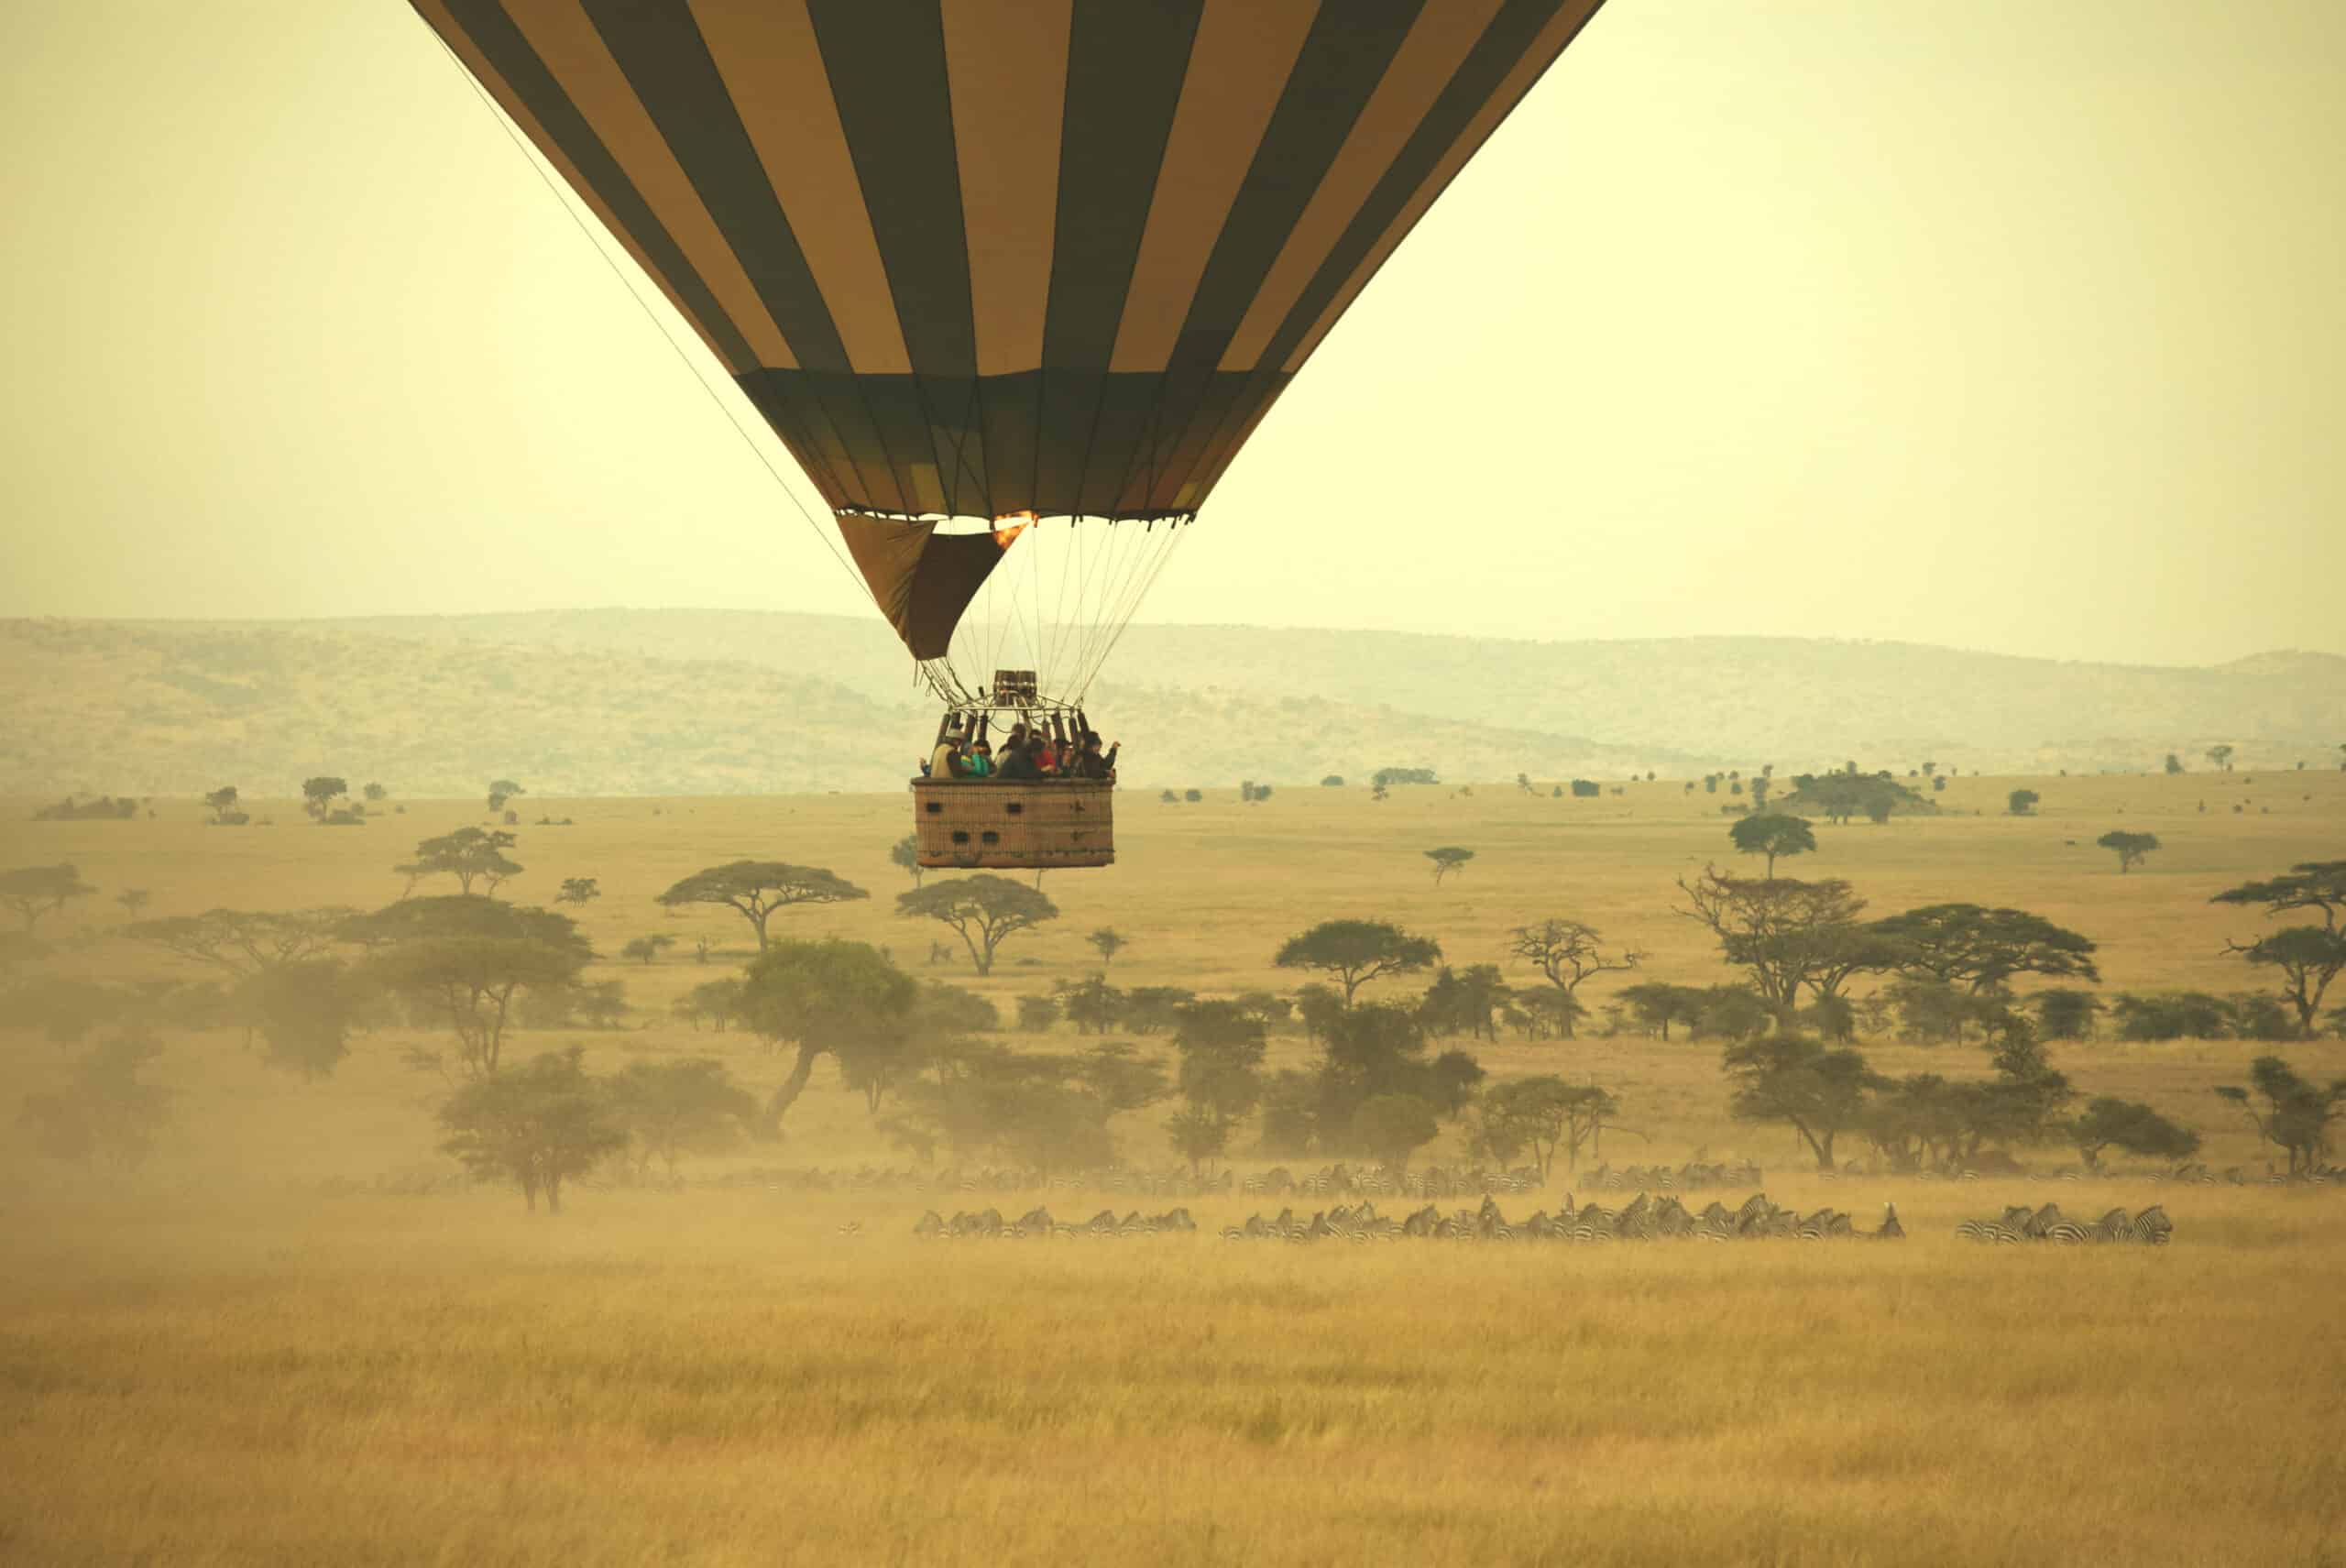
(1342, 59)
(667, 61)
(1499, 51)
(1124, 67)
(886, 63)
(1344, 56)
(1002, 467)
(509, 55)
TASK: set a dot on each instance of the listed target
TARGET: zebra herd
(1037, 1224)
(1377, 1181)
(2233, 1175)
(2022, 1223)
(1693, 1177)
(1643, 1218)
(981, 1178)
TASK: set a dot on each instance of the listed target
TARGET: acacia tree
(1446, 860)
(103, 1109)
(1774, 836)
(535, 1127)
(833, 995)
(2064, 1012)
(1657, 1005)
(757, 888)
(1198, 1135)
(318, 794)
(1465, 1000)
(222, 803)
(1981, 950)
(579, 890)
(2021, 802)
(2296, 1115)
(245, 942)
(1546, 1115)
(1391, 1127)
(984, 910)
(37, 891)
(1787, 933)
(502, 790)
(905, 855)
(1221, 1046)
(2308, 957)
(469, 854)
(1819, 1091)
(2132, 1126)
(2132, 848)
(1091, 1004)
(671, 1108)
(1357, 951)
(1109, 942)
(303, 1010)
(465, 961)
(2318, 886)
(1568, 952)
(2221, 755)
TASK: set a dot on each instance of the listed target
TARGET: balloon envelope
(975, 259)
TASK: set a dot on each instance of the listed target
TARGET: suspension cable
(554, 187)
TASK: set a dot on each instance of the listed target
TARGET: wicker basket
(985, 824)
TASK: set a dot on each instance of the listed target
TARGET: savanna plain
(280, 1339)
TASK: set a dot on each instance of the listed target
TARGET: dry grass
(215, 1363)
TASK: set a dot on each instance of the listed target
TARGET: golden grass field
(229, 1358)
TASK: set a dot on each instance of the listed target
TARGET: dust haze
(1725, 876)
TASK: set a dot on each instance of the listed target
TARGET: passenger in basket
(1046, 756)
(980, 762)
(1092, 765)
(945, 762)
(1018, 761)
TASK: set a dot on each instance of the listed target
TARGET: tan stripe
(1429, 57)
(573, 51)
(765, 50)
(1007, 70)
(475, 61)
(1238, 67)
(1544, 49)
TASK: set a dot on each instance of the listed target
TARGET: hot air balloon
(1013, 280)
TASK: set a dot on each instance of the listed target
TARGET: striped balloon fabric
(985, 257)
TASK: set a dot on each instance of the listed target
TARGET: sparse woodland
(735, 1035)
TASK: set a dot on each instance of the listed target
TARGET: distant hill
(611, 701)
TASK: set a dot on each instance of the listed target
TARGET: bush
(104, 809)
(1587, 789)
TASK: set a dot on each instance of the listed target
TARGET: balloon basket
(989, 825)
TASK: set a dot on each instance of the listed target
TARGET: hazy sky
(2012, 324)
